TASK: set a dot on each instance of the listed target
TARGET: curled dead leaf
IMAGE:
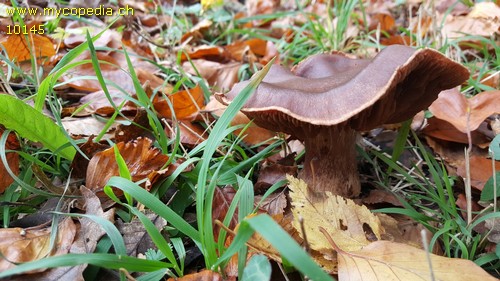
(143, 162)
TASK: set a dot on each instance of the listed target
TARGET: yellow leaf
(207, 4)
(384, 260)
(351, 226)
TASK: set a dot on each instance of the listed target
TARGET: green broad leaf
(258, 268)
(488, 190)
(495, 147)
(33, 125)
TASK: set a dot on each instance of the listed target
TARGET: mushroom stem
(330, 161)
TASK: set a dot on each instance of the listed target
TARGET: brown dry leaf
(24, 245)
(452, 107)
(140, 127)
(85, 242)
(383, 260)
(97, 102)
(80, 163)
(86, 126)
(215, 53)
(112, 69)
(443, 130)
(461, 203)
(17, 47)
(185, 103)
(253, 135)
(195, 34)
(239, 49)
(385, 20)
(220, 76)
(77, 33)
(136, 238)
(273, 205)
(273, 173)
(142, 160)
(205, 275)
(480, 170)
(12, 160)
(345, 221)
(376, 197)
(222, 199)
(190, 133)
(483, 20)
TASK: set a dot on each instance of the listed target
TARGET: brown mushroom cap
(326, 98)
(327, 90)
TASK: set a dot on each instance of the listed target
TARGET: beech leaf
(384, 260)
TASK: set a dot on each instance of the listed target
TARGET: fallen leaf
(273, 204)
(77, 34)
(86, 126)
(205, 275)
(221, 76)
(376, 197)
(185, 103)
(221, 202)
(143, 162)
(452, 107)
(483, 20)
(383, 260)
(191, 134)
(12, 160)
(23, 245)
(214, 53)
(273, 173)
(253, 135)
(85, 242)
(80, 163)
(351, 226)
(137, 239)
(443, 130)
(18, 49)
(480, 170)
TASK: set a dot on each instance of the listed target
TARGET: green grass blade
(155, 205)
(111, 261)
(204, 211)
(57, 71)
(109, 227)
(33, 125)
(281, 240)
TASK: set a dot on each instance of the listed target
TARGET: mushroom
(327, 98)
